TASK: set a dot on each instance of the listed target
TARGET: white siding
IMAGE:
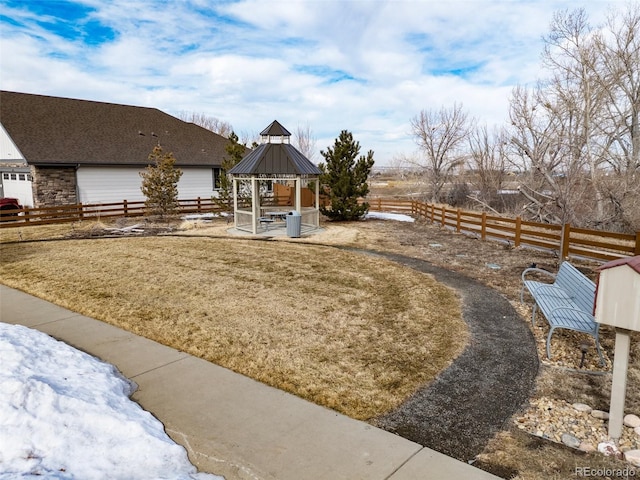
(195, 182)
(8, 150)
(115, 184)
(108, 184)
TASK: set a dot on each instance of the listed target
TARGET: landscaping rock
(601, 414)
(587, 447)
(551, 418)
(582, 407)
(609, 449)
(632, 421)
(637, 431)
(570, 441)
(633, 457)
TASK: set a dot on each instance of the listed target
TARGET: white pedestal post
(619, 384)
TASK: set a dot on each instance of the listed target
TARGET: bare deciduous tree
(305, 141)
(578, 133)
(441, 135)
(487, 163)
(250, 139)
(214, 124)
(538, 140)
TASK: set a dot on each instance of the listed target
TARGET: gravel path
(459, 412)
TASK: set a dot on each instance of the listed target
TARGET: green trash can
(294, 224)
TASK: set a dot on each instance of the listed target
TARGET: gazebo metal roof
(276, 159)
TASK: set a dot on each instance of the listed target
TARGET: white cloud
(363, 66)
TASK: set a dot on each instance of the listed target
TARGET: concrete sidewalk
(232, 425)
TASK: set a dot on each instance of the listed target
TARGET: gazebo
(275, 160)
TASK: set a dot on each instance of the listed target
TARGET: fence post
(80, 211)
(433, 212)
(564, 241)
(443, 212)
(27, 219)
(518, 231)
(199, 206)
(379, 204)
(458, 215)
(637, 250)
(125, 208)
(483, 227)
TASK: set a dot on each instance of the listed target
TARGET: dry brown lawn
(348, 331)
(511, 454)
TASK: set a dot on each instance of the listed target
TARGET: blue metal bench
(567, 302)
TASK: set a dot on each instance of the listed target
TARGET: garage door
(18, 185)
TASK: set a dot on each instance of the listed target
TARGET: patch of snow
(67, 415)
(203, 216)
(398, 217)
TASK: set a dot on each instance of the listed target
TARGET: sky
(366, 66)
(67, 415)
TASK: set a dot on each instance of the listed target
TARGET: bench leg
(533, 315)
(549, 342)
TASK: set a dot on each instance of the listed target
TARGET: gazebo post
(255, 203)
(317, 182)
(298, 184)
(235, 203)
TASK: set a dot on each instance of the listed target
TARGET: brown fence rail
(29, 216)
(566, 240)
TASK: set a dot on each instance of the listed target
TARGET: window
(22, 177)
(5, 176)
(13, 176)
(216, 178)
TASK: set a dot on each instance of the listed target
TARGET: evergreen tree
(235, 151)
(344, 178)
(160, 183)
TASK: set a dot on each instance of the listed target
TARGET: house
(15, 175)
(78, 151)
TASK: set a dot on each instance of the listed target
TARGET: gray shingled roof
(276, 159)
(56, 131)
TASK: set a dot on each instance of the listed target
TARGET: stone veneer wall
(54, 186)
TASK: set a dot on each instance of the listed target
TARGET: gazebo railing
(243, 220)
(310, 217)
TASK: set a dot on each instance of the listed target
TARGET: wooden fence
(566, 240)
(31, 216)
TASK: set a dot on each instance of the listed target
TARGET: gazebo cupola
(275, 133)
(275, 159)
